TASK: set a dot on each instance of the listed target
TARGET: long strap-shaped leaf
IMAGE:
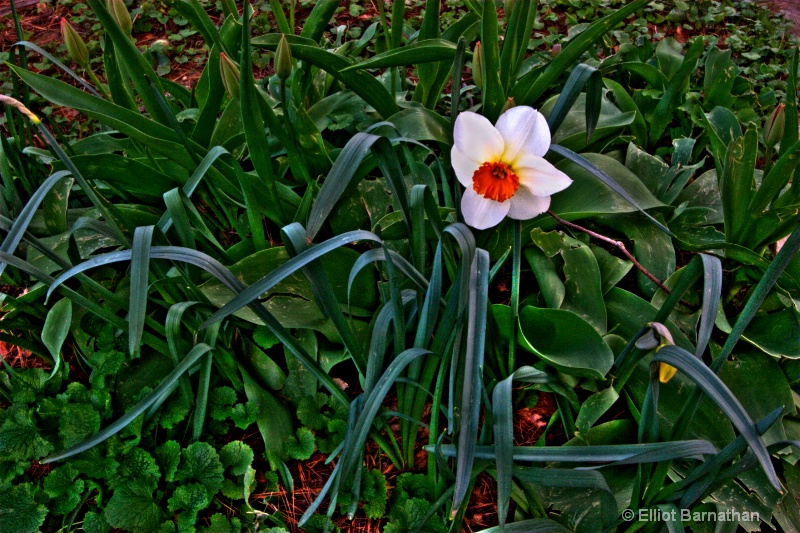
(473, 376)
(606, 453)
(59, 64)
(216, 269)
(721, 395)
(295, 240)
(577, 80)
(712, 289)
(254, 291)
(140, 273)
(607, 180)
(534, 525)
(138, 409)
(21, 223)
(504, 432)
(529, 88)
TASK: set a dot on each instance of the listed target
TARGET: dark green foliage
(19, 512)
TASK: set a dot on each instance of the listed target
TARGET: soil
(791, 8)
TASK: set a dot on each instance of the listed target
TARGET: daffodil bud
(230, 75)
(477, 65)
(283, 59)
(555, 50)
(508, 105)
(121, 15)
(658, 337)
(16, 104)
(776, 123)
(76, 48)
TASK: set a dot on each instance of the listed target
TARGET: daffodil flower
(503, 166)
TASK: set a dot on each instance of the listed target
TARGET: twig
(621, 247)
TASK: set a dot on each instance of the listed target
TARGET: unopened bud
(283, 59)
(555, 50)
(76, 48)
(477, 65)
(508, 105)
(121, 15)
(776, 124)
(658, 337)
(230, 75)
(16, 104)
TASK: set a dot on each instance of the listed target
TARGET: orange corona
(495, 181)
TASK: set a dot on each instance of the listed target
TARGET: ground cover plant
(375, 263)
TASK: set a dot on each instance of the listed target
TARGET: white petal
(525, 131)
(541, 177)
(525, 205)
(482, 213)
(475, 137)
(463, 166)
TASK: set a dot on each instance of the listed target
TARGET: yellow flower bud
(16, 104)
(230, 75)
(120, 14)
(283, 59)
(76, 48)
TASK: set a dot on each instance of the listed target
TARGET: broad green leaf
(274, 421)
(564, 340)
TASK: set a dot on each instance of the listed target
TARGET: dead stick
(620, 246)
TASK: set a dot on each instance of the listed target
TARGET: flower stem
(515, 271)
(97, 83)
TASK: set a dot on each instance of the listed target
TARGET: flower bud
(658, 337)
(16, 104)
(76, 48)
(776, 123)
(555, 50)
(283, 59)
(477, 65)
(508, 105)
(230, 75)
(121, 15)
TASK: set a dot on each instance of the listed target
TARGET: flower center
(495, 181)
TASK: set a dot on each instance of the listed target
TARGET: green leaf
(168, 456)
(274, 420)
(493, 95)
(716, 390)
(530, 87)
(301, 446)
(132, 508)
(735, 185)
(619, 181)
(363, 84)
(56, 329)
(472, 393)
(19, 512)
(139, 286)
(138, 409)
(61, 485)
(236, 456)
(675, 91)
(427, 51)
(78, 422)
(566, 341)
(593, 408)
(539, 525)
(19, 437)
(200, 462)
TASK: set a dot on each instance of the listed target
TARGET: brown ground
(790, 7)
